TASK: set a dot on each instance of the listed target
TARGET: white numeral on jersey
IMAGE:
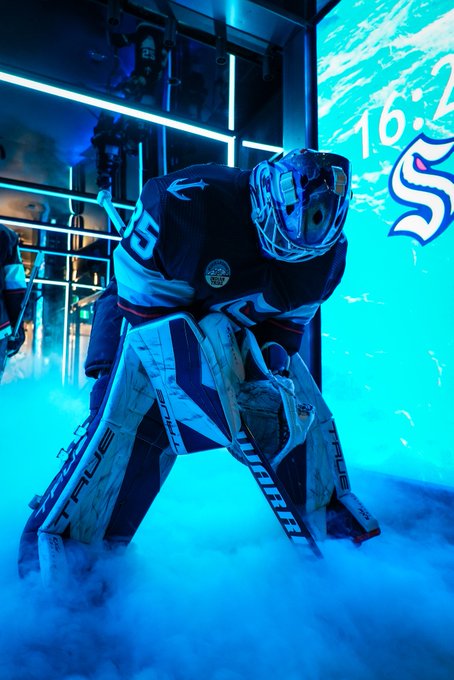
(142, 232)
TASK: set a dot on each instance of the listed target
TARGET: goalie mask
(299, 203)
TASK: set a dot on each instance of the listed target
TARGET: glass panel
(249, 157)
(258, 113)
(53, 215)
(80, 321)
(64, 144)
(45, 322)
(37, 156)
(50, 146)
(184, 149)
(201, 87)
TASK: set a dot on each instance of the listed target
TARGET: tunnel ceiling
(72, 43)
(249, 24)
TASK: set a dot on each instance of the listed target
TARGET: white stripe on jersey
(148, 288)
(233, 307)
(301, 315)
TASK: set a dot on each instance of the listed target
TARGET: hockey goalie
(195, 346)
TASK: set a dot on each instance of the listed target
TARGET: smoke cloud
(211, 589)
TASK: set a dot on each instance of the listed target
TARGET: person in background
(12, 292)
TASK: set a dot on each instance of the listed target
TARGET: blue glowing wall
(386, 101)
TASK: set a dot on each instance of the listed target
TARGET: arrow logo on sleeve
(177, 186)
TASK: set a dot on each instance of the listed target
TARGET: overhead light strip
(41, 226)
(15, 185)
(262, 147)
(67, 284)
(114, 107)
(70, 253)
(231, 153)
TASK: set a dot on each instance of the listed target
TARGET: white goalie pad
(326, 471)
(52, 559)
(194, 386)
(198, 375)
(321, 443)
(86, 495)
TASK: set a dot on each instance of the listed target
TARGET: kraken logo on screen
(420, 181)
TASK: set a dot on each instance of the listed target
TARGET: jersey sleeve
(288, 328)
(144, 293)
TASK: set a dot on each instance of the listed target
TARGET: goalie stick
(104, 199)
(33, 274)
(273, 490)
(31, 280)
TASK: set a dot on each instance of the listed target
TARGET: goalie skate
(347, 517)
(318, 481)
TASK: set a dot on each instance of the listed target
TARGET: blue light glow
(58, 193)
(263, 147)
(42, 226)
(114, 107)
(232, 75)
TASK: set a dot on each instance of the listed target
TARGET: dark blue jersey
(191, 245)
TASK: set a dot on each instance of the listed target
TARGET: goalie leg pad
(194, 400)
(52, 558)
(324, 471)
(87, 502)
(151, 461)
(42, 504)
(79, 501)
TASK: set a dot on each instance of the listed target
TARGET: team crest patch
(217, 273)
